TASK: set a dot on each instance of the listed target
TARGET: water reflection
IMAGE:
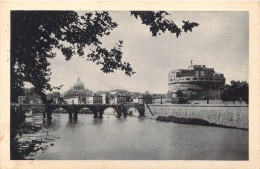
(141, 119)
(97, 121)
(120, 118)
(51, 124)
(47, 122)
(72, 123)
(135, 138)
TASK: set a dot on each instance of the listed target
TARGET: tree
(237, 91)
(34, 35)
(189, 93)
(179, 93)
(157, 22)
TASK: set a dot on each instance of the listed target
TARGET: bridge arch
(115, 111)
(137, 111)
(86, 110)
(60, 110)
(52, 108)
(132, 111)
(26, 110)
(98, 110)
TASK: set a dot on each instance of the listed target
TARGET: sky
(219, 42)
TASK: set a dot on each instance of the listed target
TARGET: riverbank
(84, 140)
(36, 139)
(191, 121)
(27, 137)
(15, 122)
(223, 115)
(30, 139)
(26, 147)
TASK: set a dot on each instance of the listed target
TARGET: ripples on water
(132, 138)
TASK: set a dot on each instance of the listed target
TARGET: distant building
(35, 99)
(94, 99)
(29, 97)
(104, 95)
(196, 82)
(72, 100)
(145, 99)
(135, 100)
(55, 97)
(119, 96)
(159, 99)
(105, 98)
(22, 100)
(77, 93)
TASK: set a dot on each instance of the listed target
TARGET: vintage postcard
(129, 84)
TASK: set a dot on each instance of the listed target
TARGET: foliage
(237, 91)
(34, 35)
(179, 93)
(158, 23)
(190, 94)
(169, 94)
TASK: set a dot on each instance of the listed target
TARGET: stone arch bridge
(73, 110)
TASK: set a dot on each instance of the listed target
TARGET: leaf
(158, 24)
(189, 26)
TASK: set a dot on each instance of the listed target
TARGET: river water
(135, 138)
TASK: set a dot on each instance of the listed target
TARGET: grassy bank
(191, 121)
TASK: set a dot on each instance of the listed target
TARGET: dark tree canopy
(237, 91)
(157, 22)
(34, 35)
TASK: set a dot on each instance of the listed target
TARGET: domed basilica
(78, 90)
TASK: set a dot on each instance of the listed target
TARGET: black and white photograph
(129, 85)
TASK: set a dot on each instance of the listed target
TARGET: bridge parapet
(73, 109)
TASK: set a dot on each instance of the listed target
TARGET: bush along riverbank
(191, 121)
(15, 121)
(27, 138)
(24, 148)
(30, 139)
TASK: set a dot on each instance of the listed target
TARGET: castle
(195, 82)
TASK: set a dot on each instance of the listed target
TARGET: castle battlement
(203, 82)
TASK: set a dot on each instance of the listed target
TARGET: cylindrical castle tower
(196, 82)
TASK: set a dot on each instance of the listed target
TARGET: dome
(78, 85)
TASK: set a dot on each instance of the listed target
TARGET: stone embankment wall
(228, 115)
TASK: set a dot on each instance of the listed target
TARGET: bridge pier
(47, 111)
(49, 116)
(119, 114)
(95, 114)
(73, 110)
(75, 115)
(125, 115)
(70, 115)
(44, 115)
(124, 112)
(100, 115)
